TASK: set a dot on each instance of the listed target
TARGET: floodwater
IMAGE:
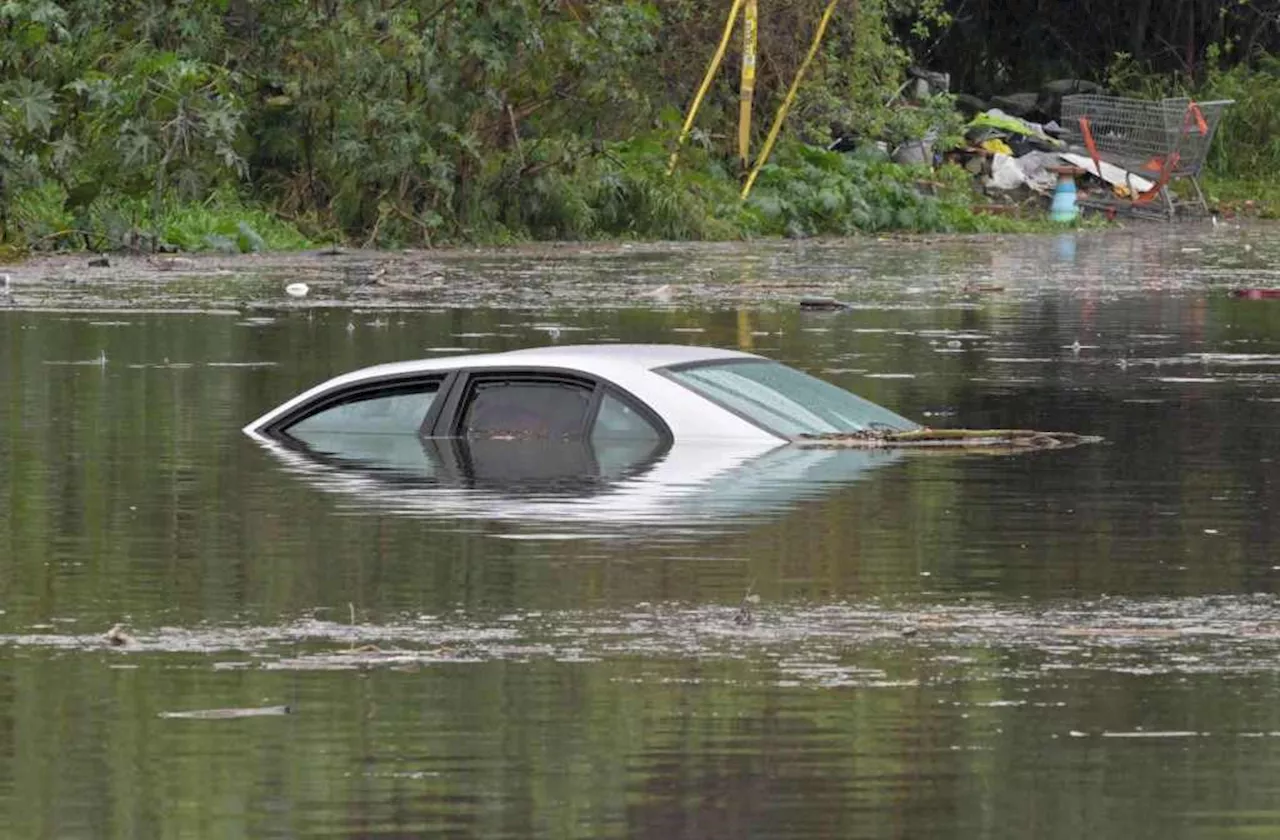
(797, 644)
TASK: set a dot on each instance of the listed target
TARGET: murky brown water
(1073, 643)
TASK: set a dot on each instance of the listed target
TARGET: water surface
(788, 645)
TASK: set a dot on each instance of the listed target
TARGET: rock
(968, 104)
(100, 262)
(1016, 104)
(1066, 87)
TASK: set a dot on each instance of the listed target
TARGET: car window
(397, 410)
(786, 401)
(616, 420)
(391, 455)
(526, 410)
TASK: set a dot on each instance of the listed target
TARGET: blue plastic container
(1064, 207)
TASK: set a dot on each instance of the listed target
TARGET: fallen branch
(983, 439)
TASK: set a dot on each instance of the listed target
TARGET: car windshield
(787, 402)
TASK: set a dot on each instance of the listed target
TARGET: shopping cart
(1158, 140)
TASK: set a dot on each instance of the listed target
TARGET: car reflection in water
(607, 489)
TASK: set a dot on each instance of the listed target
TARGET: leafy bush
(427, 122)
(1248, 142)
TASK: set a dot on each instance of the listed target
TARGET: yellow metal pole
(746, 91)
(746, 337)
(706, 83)
(787, 100)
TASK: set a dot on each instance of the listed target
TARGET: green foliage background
(237, 124)
(425, 121)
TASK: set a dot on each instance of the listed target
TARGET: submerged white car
(657, 435)
(643, 393)
(613, 435)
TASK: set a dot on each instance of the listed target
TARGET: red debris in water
(1256, 294)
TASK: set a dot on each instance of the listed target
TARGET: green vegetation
(244, 125)
(154, 124)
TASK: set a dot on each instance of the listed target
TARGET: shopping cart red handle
(1166, 175)
(1194, 112)
(1087, 133)
(1166, 169)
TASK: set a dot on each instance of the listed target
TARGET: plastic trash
(1064, 207)
(1005, 173)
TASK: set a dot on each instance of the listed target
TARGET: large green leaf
(33, 101)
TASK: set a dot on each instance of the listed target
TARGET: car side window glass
(526, 410)
(617, 420)
(399, 410)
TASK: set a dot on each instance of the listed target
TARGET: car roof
(598, 359)
(649, 356)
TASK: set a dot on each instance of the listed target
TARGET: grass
(1252, 197)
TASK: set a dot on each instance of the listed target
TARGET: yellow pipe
(787, 100)
(746, 338)
(746, 91)
(706, 83)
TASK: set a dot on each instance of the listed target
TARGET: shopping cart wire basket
(1161, 140)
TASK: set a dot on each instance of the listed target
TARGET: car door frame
(278, 428)
(444, 418)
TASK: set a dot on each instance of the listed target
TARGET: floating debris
(745, 617)
(823, 304)
(118, 637)
(229, 714)
(999, 440)
(662, 294)
(172, 263)
(297, 290)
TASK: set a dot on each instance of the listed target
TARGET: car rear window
(786, 401)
